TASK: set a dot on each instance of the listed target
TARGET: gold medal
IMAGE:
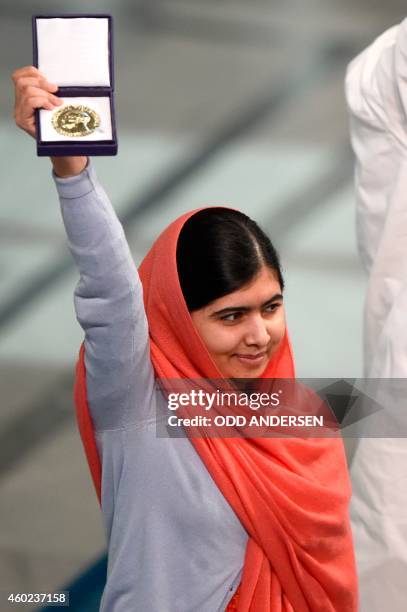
(75, 120)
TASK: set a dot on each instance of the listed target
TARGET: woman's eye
(233, 316)
(272, 307)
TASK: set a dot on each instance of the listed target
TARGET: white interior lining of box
(101, 105)
(74, 51)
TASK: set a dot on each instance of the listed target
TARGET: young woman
(193, 524)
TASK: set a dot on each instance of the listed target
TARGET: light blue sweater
(174, 543)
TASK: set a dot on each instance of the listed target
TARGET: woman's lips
(251, 360)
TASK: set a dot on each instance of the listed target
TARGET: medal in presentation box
(76, 53)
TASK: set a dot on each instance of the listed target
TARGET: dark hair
(219, 250)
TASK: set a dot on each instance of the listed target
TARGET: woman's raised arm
(108, 298)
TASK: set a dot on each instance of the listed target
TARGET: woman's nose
(257, 332)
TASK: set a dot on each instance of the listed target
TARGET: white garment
(376, 89)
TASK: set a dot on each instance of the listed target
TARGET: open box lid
(74, 50)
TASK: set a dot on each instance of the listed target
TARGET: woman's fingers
(33, 102)
(32, 76)
(25, 112)
(32, 91)
(27, 81)
(27, 71)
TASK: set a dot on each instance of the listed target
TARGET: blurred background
(218, 102)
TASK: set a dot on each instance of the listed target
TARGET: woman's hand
(32, 91)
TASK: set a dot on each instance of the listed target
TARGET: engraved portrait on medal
(75, 120)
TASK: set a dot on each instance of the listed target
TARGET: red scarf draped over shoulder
(291, 495)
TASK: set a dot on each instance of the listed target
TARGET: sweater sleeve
(109, 305)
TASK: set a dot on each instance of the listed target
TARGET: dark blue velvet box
(83, 145)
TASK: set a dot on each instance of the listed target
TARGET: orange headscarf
(291, 495)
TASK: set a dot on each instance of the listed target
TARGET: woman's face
(243, 329)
